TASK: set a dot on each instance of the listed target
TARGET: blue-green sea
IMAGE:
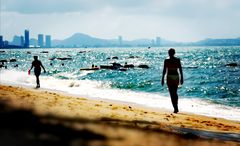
(210, 87)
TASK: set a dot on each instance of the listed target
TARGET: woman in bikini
(171, 66)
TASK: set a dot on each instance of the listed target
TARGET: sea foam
(103, 90)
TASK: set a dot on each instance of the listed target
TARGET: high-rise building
(40, 40)
(153, 42)
(5, 43)
(120, 40)
(48, 41)
(16, 40)
(1, 41)
(158, 41)
(22, 41)
(26, 35)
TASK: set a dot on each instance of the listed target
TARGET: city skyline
(24, 41)
(176, 20)
(85, 40)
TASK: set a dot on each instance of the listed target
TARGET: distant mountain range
(218, 42)
(84, 40)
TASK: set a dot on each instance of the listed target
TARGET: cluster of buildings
(24, 41)
(78, 40)
(41, 43)
(157, 42)
(153, 42)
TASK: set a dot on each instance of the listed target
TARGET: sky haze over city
(177, 20)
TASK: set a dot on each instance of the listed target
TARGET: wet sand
(53, 118)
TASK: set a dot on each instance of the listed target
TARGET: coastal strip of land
(72, 120)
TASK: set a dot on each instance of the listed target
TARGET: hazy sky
(177, 20)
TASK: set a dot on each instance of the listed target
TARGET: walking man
(37, 64)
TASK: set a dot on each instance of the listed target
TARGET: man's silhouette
(172, 65)
(37, 64)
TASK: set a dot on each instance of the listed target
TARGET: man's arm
(42, 67)
(31, 67)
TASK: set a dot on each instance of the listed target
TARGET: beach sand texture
(83, 121)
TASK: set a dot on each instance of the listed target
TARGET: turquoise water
(206, 76)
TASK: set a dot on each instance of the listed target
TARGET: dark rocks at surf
(143, 66)
(12, 60)
(232, 65)
(64, 58)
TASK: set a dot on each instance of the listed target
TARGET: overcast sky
(177, 20)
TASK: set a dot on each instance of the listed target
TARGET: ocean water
(210, 88)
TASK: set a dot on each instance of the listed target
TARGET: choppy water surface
(208, 82)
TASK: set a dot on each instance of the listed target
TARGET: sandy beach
(83, 121)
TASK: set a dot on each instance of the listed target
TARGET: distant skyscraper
(48, 41)
(152, 42)
(16, 40)
(5, 43)
(158, 41)
(40, 40)
(22, 41)
(120, 40)
(1, 41)
(26, 35)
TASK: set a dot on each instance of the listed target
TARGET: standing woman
(171, 66)
(37, 64)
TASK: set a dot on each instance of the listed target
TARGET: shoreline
(90, 89)
(118, 114)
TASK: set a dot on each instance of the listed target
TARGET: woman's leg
(174, 97)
